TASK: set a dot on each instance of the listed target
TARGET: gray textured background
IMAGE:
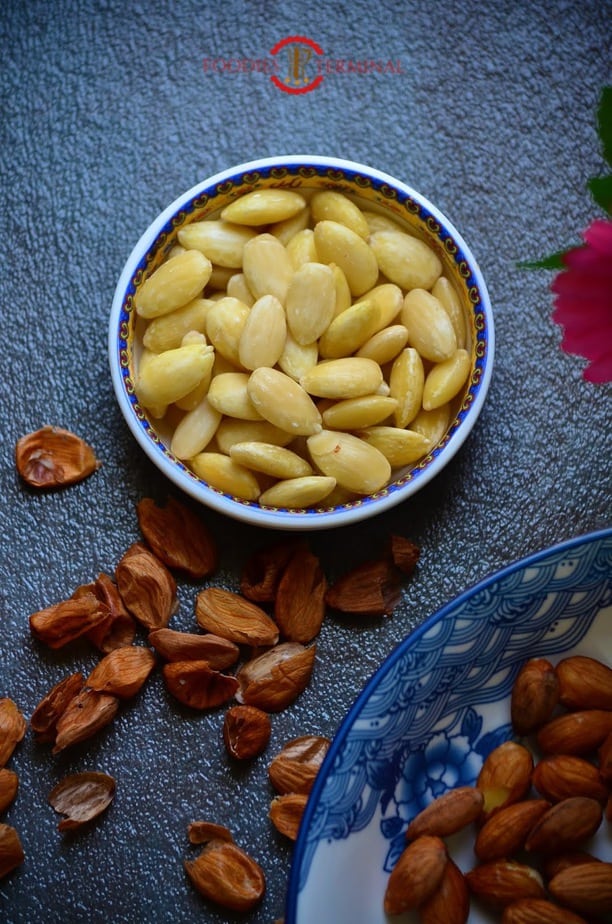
(107, 116)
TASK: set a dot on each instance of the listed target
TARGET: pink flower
(583, 302)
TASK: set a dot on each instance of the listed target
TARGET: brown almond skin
(201, 832)
(81, 797)
(122, 672)
(447, 814)
(505, 776)
(503, 881)
(274, 680)
(505, 832)
(584, 683)
(54, 458)
(579, 733)
(224, 874)
(9, 784)
(11, 851)
(61, 623)
(560, 776)
(12, 728)
(190, 646)
(371, 589)
(299, 605)
(86, 714)
(416, 875)
(230, 616)
(286, 813)
(565, 826)
(450, 903)
(147, 587)
(195, 684)
(246, 732)
(535, 694)
(178, 537)
(586, 889)
(404, 554)
(538, 911)
(295, 767)
(45, 717)
(118, 628)
(264, 569)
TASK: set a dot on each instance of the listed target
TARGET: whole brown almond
(246, 732)
(178, 537)
(295, 767)
(147, 587)
(122, 672)
(416, 876)
(12, 728)
(286, 812)
(53, 457)
(538, 911)
(605, 759)
(45, 717)
(565, 826)
(86, 714)
(447, 814)
(61, 623)
(584, 683)
(505, 776)
(503, 881)
(190, 646)
(299, 605)
(560, 776)
(557, 862)
(9, 784)
(586, 889)
(450, 903)
(535, 694)
(273, 680)
(81, 797)
(505, 832)
(231, 616)
(579, 733)
(197, 685)
(224, 874)
(11, 851)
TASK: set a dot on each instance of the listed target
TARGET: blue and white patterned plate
(429, 716)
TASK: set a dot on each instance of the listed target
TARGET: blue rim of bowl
(321, 517)
(339, 739)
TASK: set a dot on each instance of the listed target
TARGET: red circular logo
(301, 66)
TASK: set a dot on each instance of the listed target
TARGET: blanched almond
(355, 465)
(177, 281)
(347, 377)
(357, 413)
(221, 241)
(399, 446)
(263, 336)
(277, 461)
(350, 329)
(264, 206)
(405, 260)
(267, 267)
(283, 402)
(335, 243)
(167, 331)
(298, 493)
(335, 206)
(430, 329)
(229, 394)
(311, 302)
(169, 376)
(446, 379)
(225, 322)
(406, 383)
(222, 473)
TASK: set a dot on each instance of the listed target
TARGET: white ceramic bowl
(426, 720)
(372, 190)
